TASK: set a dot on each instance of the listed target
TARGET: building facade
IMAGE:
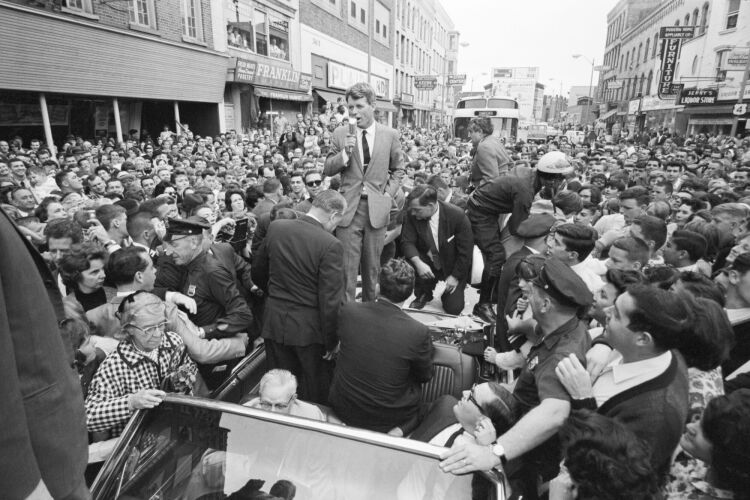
(264, 84)
(97, 69)
(628, 98)
(523, 85)
(425, 45)
(344, 42)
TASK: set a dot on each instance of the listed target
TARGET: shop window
(79, 6)
(142, 13)
(733, 12)
(192, 25)
(278, 35)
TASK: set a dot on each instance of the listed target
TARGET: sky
(544, 33)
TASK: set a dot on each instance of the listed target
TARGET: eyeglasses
(314, 183)
(471, 398)
(278, 406)
(151, 331)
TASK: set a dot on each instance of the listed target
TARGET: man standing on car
(364, 159)
(490, 159)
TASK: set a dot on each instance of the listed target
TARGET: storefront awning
(720, 109)
(406, 106)
(609, 113)
(386, 106)
(282, 95)
(329, 96)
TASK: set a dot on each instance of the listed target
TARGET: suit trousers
(362, 247)
(314, 374)
(453, 303)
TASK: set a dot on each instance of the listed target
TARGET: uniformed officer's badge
(191, 291)
(533, 362)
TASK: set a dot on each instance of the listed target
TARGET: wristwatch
(499, 451)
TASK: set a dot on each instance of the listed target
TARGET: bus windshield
(503, 127)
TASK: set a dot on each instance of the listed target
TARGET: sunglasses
(314, 183)
(471, 398)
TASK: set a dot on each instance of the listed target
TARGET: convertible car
(191, 448)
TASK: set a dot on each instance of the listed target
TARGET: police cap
(185, 227)
(535, 226)
(563, 284)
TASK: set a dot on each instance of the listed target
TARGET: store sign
(634, 106)
(455, 80)
(682, 32)
(502, 73)
(698, 96)
(653, 103)
(733, 93)
(737, 59)
(427, 82)
(342, 77)
(271, 75)
(668, 63)
(407, 98)
(614, 84)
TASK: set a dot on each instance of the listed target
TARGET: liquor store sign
(698, 97)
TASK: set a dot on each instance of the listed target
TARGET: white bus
(502, 111)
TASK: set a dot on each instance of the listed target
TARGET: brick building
(344, 42)
(94, 68)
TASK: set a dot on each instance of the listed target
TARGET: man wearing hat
(558, 297)
(489, 207)
(533, 231)
(221, 310)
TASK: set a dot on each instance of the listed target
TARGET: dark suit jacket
(385, 357)
(300, 264)
(454, 235)
(43, 433)
(385, 156)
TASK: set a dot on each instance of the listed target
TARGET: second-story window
(192, 25)
(142, 13)
(733, 12)
(79, 5)
(260, 31)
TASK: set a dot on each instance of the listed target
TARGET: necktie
(453, 437)
(365, 150)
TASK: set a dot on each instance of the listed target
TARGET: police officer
(221, 310)
(498, 207)
(558, 299)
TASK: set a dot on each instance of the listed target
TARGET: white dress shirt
(370, 140)
(618, 377)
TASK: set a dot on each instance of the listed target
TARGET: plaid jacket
(126, 371)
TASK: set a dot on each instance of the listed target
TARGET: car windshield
(189, 453)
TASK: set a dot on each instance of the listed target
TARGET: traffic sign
(427, 82)
(455, 80)
(739, 109)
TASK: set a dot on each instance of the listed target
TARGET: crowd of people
(616, 273)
